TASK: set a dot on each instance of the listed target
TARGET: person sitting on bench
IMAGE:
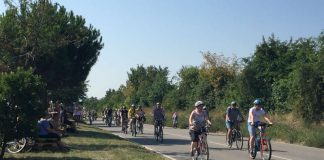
(54, 122)
(45, 131)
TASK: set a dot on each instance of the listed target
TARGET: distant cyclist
(141, 114)
(132, 115)
(124, 116)
(255, 115)
(233, 118)
(158, 115)
(197, 122)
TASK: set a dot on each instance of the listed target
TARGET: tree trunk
(3, 148)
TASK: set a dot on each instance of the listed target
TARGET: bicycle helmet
(233, 103)
(257, 102)
(198, 103)
(133, 105)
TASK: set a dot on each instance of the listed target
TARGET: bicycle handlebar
(262, 124)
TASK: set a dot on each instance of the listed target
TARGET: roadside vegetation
(287, 75)
(91, 143)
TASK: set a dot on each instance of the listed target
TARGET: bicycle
(262, 143)
(124, 126)
(133, 127)
(16, 145)
(140, 124)
(158, 130)
(202, 150)
(236, 137)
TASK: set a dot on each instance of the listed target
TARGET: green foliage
(287, 76)
(146, 86)
(56, 43)
(22, 98)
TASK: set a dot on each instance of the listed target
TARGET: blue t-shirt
(43, 124)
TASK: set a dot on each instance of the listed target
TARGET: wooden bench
(46, 142)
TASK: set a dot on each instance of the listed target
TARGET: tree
(56, 43)
(22, 101)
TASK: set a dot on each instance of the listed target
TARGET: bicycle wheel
(239, 140)
(30, 143)
(156, 133)
(232, 139)
(141, 128)
(133, 129)
(16, 146)
(254, 150)
(266, 150)
(204, 151)
(160, 134)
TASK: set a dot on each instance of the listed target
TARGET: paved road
(176, 146)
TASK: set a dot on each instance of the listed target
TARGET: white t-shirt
(257, 114)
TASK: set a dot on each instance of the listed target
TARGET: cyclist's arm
(267, 118)
(190, 119)
(226, 115)
(251, 117)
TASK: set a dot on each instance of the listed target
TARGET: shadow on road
(152, 141)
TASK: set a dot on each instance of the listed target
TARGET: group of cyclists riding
(135, 116)
(199, 120)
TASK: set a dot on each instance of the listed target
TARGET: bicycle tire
(156, 134)
(30, 144)
(16, 146)
(232, 139)
(133, 129)
(204, 151)
(239, 140)
(267, 152)
(160, 134)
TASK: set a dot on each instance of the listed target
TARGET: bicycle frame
(133, 126)
(158, 130)
(202, 145)
(262, 140)
(234, 135)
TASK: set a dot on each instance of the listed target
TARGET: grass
(91, 143)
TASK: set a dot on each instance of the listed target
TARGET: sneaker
(251, 155)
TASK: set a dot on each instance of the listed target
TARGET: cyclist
(255, 115)
(124, 116)
(131, 115)
(109, 115)
(158, 115)
(197, 121)
(233, 118)
(174, 120)
(141, 114)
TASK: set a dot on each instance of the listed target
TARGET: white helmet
(198, 103)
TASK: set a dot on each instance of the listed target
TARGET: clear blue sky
(172, 33)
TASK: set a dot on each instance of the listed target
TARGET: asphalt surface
(176, 145)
